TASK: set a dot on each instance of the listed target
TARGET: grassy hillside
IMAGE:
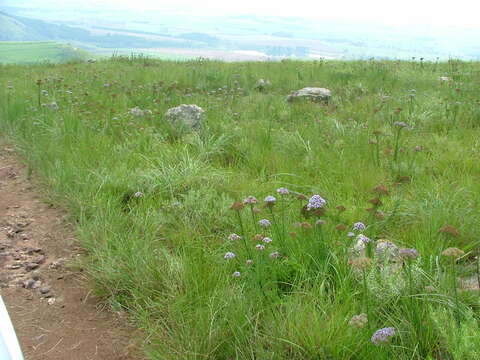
(396, 149)
(37, 52)
(13, 30)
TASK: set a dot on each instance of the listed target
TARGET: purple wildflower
(229, 255)
(359, 226)
(270, 200)
(275, 255)
(400, 124)
(316, 202)
(265, 223)
(234, 237)
(250, 200)
(267, 240)
(260, 247)
(249, 262)
(283, 191)
(361, 243)
(382, 336)
(351, 234)
(363, 238)
(236, 274)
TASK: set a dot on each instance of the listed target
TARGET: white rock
(311, 93)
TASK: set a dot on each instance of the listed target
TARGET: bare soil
(51, 305)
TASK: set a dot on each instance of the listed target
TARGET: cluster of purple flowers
(359, 226)
(265, 223)
(229, 255)
(250, 200)
(383, 336)
(270, 200)
(234, 237)
(316, 202)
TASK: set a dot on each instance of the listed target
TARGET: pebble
(31, 266)
(13, 266)
(51, 301)
(29, 284)
(57, 263)
(45, 290)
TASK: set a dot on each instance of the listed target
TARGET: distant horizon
(237, 32)
(428, 13)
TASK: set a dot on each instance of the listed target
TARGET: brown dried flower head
(375, 201)
(360, 263)
(450, 230)
(258, 237)
(305, 225)
(358, 321)
(341, 227)
(453, 252)
(237, 206)
(381, 190)
(341, 208)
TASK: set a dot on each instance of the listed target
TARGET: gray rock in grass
(314, 94)
(186, 117)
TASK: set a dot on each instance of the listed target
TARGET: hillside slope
(25, 52)
(14, 28)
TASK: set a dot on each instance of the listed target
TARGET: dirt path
(51, 307)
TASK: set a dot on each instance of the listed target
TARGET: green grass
(160, 257)
(37, 52)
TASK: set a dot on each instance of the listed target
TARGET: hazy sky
(462, 13)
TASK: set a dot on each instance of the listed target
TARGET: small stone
(51, 301)
(13, 266)
(38, 259)
(36, 275)
(57, 263)
(31, 266)
(28, 284)
(45, 290)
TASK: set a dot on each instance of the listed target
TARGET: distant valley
(230, 38)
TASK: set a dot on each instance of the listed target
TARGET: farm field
(278, 230)
(38, 52)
